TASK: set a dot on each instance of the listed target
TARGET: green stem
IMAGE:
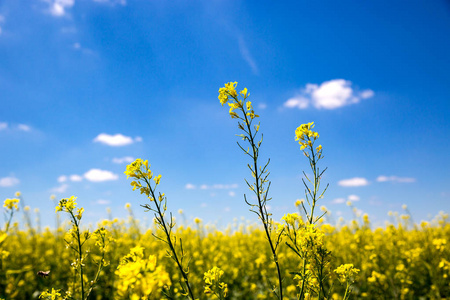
(169, 241)
(80, 253)
(260, 203)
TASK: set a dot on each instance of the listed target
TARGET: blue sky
(86, 85)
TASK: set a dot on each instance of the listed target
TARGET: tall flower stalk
(243, 111)
(140, 171)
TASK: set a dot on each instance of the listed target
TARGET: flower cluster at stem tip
(68, 205)
(11, 203)
(140, 170)
(228, 94)
(306, 137)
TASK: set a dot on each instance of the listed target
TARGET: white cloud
(189, 186)
(225, 186)
(298, 101)
(58, 8)
(203, 204)
(77, 47)
(97, 175)
(60, 189)
(75, 178)
(353, 198)
(366, 94)
(8, 181)
(112, 2)
(231, 194)
(262, 106)
(329, 95)
(126, 159)
(395, 179)
(219, 186)
(62, 178)
(338, 201)
(115, 140)
(352, 182)
(245, 53)
(102, 202)
(138, 139)
(2, 20)
(3, 125)
(23, 127)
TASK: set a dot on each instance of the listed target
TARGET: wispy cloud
(395, 179)
(352, 198)
(58, 8)
(246, 55)
(97, 175)
(353, 182)
(9, 181)
(77, 47)
(2, 20)
(103, 202)
(18, 127)
(328, 95)
(338, 201)
(116, 140)
(121, 160)
(112, 2)
(23, 127)
(190, 186)
(60, 189)
(74, 178)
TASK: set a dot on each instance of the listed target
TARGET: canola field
(397, 262)
(301, 256)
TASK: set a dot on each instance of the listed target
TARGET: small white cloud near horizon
(353, 182)
(62, 178)
(102, 202)
(112, 2)
(190, 186)
(216, 186)
(23, 127)
(75, 178)
(97, 175)
(231, 194)
(353, 198)
(3, 125)
(116, 140)
(121, 160)
(395, 179)
(262, 106)
(60, 189)
(9, 181)
(328, 95)
(57, 8)
(338, 201)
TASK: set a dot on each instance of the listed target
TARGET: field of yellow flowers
(301, 256)
(397, 262)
